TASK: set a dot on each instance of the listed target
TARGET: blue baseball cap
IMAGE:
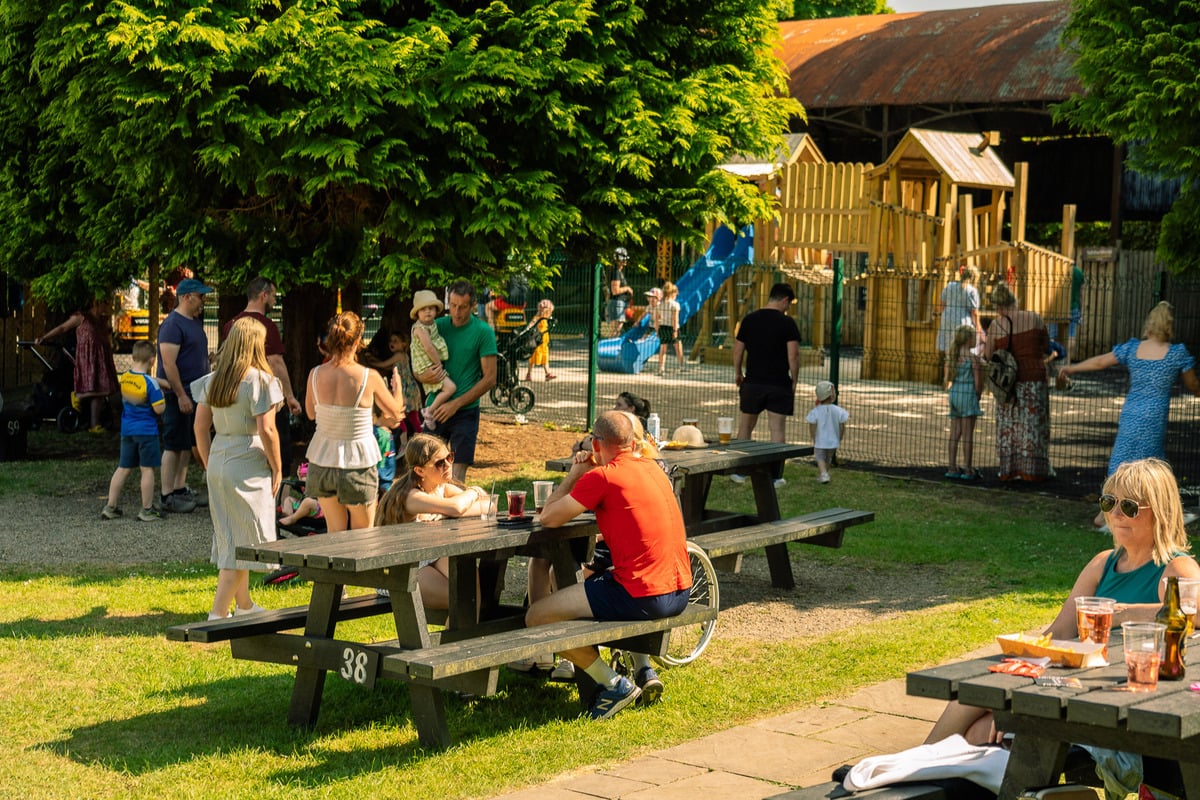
(192, 286)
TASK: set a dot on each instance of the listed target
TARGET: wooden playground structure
(940, 201)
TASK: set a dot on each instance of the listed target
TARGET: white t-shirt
(829, 417)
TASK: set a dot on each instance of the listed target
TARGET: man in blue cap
(182, 358)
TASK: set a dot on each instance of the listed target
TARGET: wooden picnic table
(464, 657)
(693, 469)
(1047, 720)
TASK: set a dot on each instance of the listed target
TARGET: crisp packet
(1018, 666)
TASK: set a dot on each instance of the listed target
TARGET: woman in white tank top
(343, 454)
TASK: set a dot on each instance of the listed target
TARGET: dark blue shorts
(140, 451)
(460, 433)
(179, 432)
(609, 600)
(775, 397)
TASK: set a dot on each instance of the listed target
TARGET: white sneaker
(253, 609)
(739, 479)
(823, 478)
(212, 616)
(529, 665)
(564, 672)
(780, 483)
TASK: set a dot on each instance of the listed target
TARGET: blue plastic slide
(629, 352)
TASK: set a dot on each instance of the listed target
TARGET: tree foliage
(1140, 66)
(323, 141)
(821, 9)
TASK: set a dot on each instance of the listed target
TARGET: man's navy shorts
(609, 600)
(179, 431)
(460, 433)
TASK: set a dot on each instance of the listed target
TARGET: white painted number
(354, 665)
(14, 427)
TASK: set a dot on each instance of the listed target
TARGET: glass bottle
(1172, 668)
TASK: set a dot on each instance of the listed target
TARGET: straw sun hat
(425, 298)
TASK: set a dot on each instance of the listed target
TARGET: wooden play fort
(940, 200)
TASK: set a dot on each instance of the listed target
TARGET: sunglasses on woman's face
(1129, 508)
(444, 462)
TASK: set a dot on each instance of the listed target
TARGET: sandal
(550, 377)
(972, 475)
(952, 475)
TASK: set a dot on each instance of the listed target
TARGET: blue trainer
(651, 686)
(610, 701)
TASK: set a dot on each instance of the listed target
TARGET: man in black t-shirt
(768, 344)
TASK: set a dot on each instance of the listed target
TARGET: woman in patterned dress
(1154, 364)
(1022, 426)
(95, 372)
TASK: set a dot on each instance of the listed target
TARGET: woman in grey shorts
(343, 453)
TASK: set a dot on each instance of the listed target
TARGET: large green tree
(820, 9)
(1140, 66)
(324, 141)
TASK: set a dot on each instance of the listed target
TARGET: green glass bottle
(1172, 668)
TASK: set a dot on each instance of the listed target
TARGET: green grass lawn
(99, 704)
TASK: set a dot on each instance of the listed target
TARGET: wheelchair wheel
(67, 420)
(522, 399)
(500, 395)
(687, 643)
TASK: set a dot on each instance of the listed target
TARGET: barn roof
(992, 54)
(958, 156)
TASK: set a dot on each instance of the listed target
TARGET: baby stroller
(514, 350)
(54, 396)
(291, 494)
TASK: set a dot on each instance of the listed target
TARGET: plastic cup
(493, 504)
(1093, 617)
(541, 493)
(1189, 597)
(1143, 651)
(725, 429)
(516, 503)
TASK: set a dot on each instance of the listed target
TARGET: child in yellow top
(541, 353)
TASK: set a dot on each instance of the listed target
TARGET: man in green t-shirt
(472, 366)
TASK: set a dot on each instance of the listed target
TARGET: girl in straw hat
(428, 353)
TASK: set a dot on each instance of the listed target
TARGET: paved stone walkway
(762, 759)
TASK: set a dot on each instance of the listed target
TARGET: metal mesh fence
(899, 409)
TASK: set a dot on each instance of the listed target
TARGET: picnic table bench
(726, 535)
(1047, 720)
(466, 656)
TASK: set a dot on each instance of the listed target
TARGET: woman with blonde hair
(426, 492)
(1154, 364)
(343, 453)
(238, 400)
(1022, 426)
(1141, 501)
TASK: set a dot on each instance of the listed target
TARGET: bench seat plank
(794, 529)
(272, 621)
(449, 659)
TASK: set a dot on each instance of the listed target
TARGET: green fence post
(835, 316)
(593, 351)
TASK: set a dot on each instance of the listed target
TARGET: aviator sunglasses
(442, 463)
(1129, 508)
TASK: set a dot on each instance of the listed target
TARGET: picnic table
(725, 535)
(1047, 720)
(464, 657)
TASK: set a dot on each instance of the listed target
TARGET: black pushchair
(54, 396)
(514, 350)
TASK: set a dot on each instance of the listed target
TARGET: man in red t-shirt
(640, 520)
(261, 295)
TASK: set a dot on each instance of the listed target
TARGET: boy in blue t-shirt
(142, 402)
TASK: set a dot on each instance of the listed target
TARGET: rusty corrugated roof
(993, 54)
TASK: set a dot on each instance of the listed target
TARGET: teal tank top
(1138, 586)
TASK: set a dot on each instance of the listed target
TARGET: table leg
(766, 502)
(429, 716)
(1035, 761)
(310, 681)
(1191, 778)
(462, 592)
(693, 497)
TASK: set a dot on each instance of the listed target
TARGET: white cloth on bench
(952, 757)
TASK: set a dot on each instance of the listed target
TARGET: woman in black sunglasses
(425, 492)
(1141, 502)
